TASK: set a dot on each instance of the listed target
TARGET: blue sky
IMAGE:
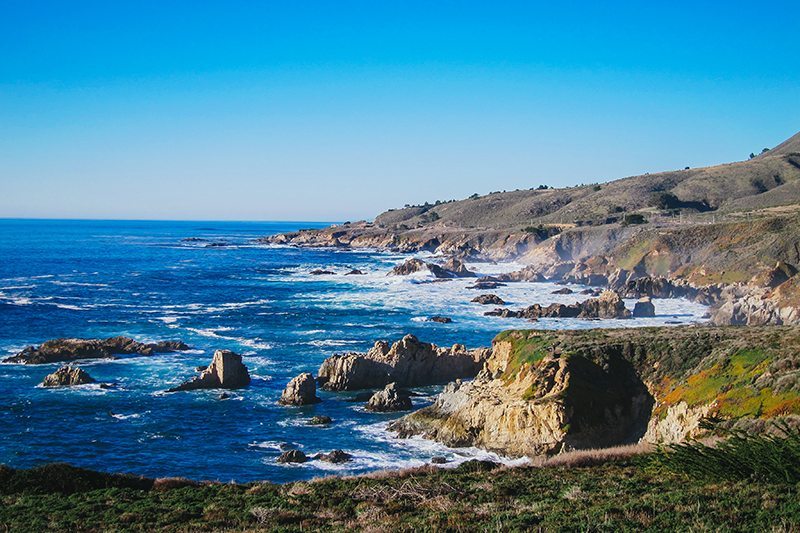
(340, 110)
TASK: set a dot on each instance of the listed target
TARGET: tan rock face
(301, 390)
(226, 371)
(67, 376)
(545, 391)
(536, 410)
(408, 363)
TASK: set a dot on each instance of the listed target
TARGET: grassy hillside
(723, 188)
(633, 494)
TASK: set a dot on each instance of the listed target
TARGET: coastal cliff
(542, 392)
(705, 230)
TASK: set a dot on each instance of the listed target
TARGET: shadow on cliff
(606, 401)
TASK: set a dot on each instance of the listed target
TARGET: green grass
(527, 349)
(626, 496)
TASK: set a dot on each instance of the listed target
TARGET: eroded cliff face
(541, 392)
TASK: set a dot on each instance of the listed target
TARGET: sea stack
(226, 371)
(301, 390)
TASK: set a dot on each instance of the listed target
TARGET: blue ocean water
(210, 285)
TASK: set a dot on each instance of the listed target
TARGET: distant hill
(768, 180)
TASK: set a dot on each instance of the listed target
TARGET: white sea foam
(332, 342)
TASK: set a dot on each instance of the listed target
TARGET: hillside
(724, 224)
(723, 188)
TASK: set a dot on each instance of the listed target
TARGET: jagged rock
(355, 272)
(67, 376)
(292, 456)
(412, 266)
(319, 420)
(321, 272)
(487, 299)
(438, 460)
(644, 308)
(226, 371)
(58, 350)
(457, 268)
(608, 305)
(564, 290)
(301, 390)
(391, 398)
(336, 457)
(440, 319)
(407, 362)
(200, 368)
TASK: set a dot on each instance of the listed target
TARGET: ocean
(212, 286)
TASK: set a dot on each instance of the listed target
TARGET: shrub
(633, 218)
(741, 456)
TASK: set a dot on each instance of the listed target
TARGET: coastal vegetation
(635, 493)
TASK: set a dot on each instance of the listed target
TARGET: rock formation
(226, 371)
(321, 272)
(413, 266)
(336, 457)
(319, 420)
(440, 319)
(608, 305)
(355, 272)
(301, 390)
(457, 268)
(58, 350)
(488, 299)
(67, 376)
(545, 391)
(391, 398)
(292, 456)
(452, 268)
(644, 308)
(408, 362)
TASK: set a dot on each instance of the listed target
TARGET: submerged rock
(391, 398)
(644, 308)
(488, 299)
(336, 457)
(58, 350)
(67, 376)
(321, 272)
(564, 290)
(319, 420)
(438, 460)
(226, 371)
(355, 272)
(301, 390)
(486, 284)
(292, 456)
(407, 362)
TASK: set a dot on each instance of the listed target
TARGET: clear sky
(336, 110)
